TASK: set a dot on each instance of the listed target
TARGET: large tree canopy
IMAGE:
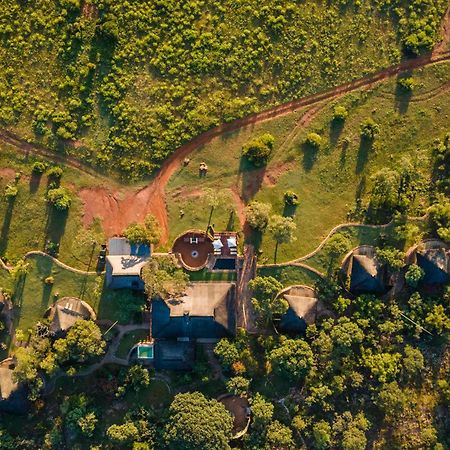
(196, 423)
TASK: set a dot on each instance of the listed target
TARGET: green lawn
(289, 275)
(33, 297)
(206, 275)
(129, 340)
(28, 222)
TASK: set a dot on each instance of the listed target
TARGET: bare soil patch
(237, 406)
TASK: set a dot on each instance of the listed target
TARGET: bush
(38, 167)
(313, 140)
(258, 150)
(54, 172)
(59, 198)
(369, 129)
(340, 113)
(414, 275)
(11, 191)
(291, 198)
(406, 84)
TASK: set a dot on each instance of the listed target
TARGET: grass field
(289, 275)
(28, 223)
(328, 181)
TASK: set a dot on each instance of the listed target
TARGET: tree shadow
(252, 178)
(253, 237)
(6, 226)
(310, 154)
(336, 127)
(231, 221)
(365, 146)
(46, 293)
(86, 277)
(289, 210)
(35, 181)
(343, 157)
(55, 226)
(402, 95)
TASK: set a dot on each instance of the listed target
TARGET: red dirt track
(116, 209)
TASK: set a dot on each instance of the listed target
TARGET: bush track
(151, 199)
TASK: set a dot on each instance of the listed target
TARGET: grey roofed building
(304, 308)
(174, 355)
(13, 396)
(366, 274)
(124, 263)
(66, 311)
(205, 313)
(434, 258)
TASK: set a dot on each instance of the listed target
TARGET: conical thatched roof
(366, 274)
(435, 261)
(66, 311)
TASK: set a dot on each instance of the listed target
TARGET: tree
(383, 366)
(238, 385)
(291, 198)
(438, 320)
(137, 377)
(11, 191)
(83, 341)
(322, 434)
(227, 352)
(266, 302)
(386, 184)
(292, 358)
(440, 217)
(340, 113)
(313, 140)
(414, 275)
(164, 278)
(406, 84)
(394, 258)
(38, 167)
(257, 214)
(123, 434)
(258, 150)
(196, 423)
(369, 129)
(391, 399)
(54, 173)
(88, 423)
(60, 198)
(262, 412)
(279, 436)
(282, 229)
(413, 361)
(345, 333)
(147, 233)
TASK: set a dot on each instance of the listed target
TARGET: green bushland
(130, 81)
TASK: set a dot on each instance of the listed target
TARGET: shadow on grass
(289, 210)
(4, 234)
(35, 181)
(365, 146)
(55, 226)
(310, 154)
(336, 127)
(253, 237)
(252, 178)
(231, 224)
(402, 94)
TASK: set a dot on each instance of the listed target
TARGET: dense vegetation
(136, 79)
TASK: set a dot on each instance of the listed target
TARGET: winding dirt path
(117, 209)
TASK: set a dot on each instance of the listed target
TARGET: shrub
(414, 275)
(313, 140)
(54, 172)
(49, 280)
(406, 84)
(11, 191)
(291, 198)
(258, 150)
(59, 198)
(38, 167)
(340, 113)
(369, 129)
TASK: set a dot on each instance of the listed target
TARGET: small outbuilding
(364, 273)
(13, 396)
(433, 256)
(66, 311)
(304, 309)
(124, 263)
